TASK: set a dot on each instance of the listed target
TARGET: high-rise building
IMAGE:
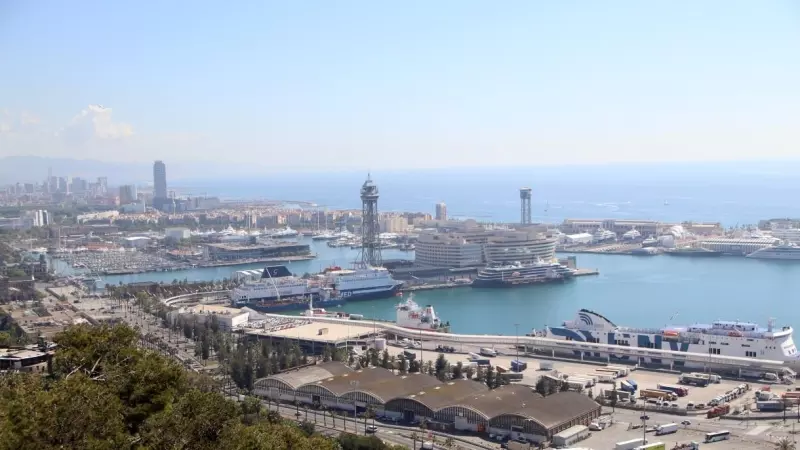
(159, 185)
(159, 180)
(102, 185)
(525, 205)
(441, 211)
(370, 228)
(127, 194)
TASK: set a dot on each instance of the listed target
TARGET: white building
(228, 318)
(475, 247)
(447, 250)
(578, 239)
(137, 207)
(735, 246)
(393, 224)
(787, 234)
(177, 234)
(136, 241)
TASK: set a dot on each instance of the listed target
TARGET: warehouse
(515, 411)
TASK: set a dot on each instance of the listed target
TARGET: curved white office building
(473, 248)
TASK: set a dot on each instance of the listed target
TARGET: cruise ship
(725, 338)
(517, 273)
(285, 233)
(782, 251)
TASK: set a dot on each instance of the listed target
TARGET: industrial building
(617, 226)
(515, 411)
(177, 234)
(228, 318)
(738, 246)
(225, 252)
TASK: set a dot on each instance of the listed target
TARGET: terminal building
(617, 226)
(738, 246)
(515, 411)
(229, 252)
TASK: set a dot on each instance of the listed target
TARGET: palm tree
(784, 443)
(414, 437)
(449, 442)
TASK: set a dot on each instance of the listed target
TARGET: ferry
(411, 315)
(363, 283)
(725, 338)
(517, 273)
(782, 252)
(275, 282)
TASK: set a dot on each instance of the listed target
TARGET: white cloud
(94, 123)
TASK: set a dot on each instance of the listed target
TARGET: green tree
(440, 367)
(386, 360)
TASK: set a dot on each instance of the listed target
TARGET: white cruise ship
(725, 338)
(284, 233)
(360, 284)
(275, 282)
(782, 251)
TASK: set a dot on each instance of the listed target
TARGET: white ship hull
(793, 255)
(727, 339)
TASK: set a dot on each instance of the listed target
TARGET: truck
(631, 444)
(621, 395)
(653, 446)
(614, 373)
(486, 351)
(626, 387)
(693, 380)
(667, 428)
(482, 361)
(633, 383)
(655, 393)
(623, 371)
(718, 411)
(583, 381)
(604, 377)
(575, 385)
(411, 356)
(712, 378)
(680, 391)
(518, 366)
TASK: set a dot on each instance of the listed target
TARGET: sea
(630, 290)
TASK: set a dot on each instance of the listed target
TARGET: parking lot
(620, 432)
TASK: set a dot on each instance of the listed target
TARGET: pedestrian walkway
(758, 430)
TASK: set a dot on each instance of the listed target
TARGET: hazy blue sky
(369, 84)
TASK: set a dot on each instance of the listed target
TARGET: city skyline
(444, 85)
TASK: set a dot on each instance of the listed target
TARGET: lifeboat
(735, 334)
(670, 333)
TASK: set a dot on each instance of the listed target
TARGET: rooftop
(214, 309)
(336, 332)
(308, 375)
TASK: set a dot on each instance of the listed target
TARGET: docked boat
(782, 252)
(692, 252)
(275, 282)
(324, 236)
(517, 273)
(411, 315)
(725, 338)
(285, 233)
(360, 283)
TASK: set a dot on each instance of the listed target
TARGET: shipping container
(771, 405)
(623, 371)
(614, 373)
(655, 393)
(633, 383)
(604, 377)
(500, 369)
(626, 387)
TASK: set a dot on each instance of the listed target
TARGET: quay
(314, 332)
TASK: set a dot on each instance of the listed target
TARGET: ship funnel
(770, 324)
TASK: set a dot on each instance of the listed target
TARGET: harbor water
(630, 291)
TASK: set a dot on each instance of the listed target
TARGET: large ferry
(516, 274)
(725, 338)
(275, 282)
(783, 251)
(361, 283)
(411, 315)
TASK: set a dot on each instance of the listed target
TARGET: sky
(362, 85)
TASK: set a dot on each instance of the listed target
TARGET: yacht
(781, 251)
(517, 273)
(325, 236)
(725, 338)
(411, 315)
(603, 235)
(286, 232)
